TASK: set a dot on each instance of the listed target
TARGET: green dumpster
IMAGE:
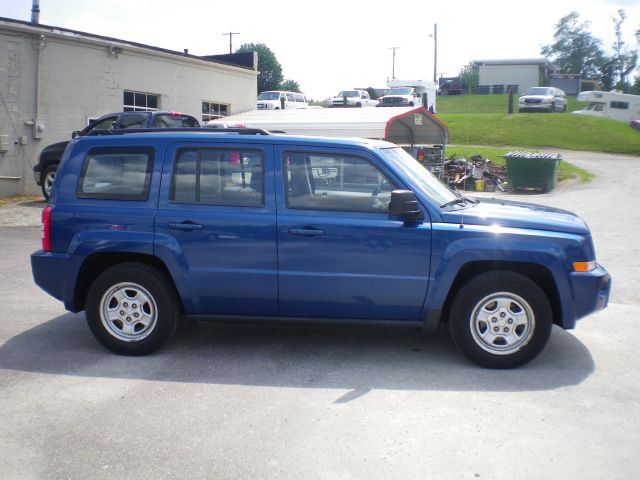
(532, 170)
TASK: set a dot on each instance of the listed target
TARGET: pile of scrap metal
(477, 173)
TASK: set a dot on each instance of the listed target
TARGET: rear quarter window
(119, 173)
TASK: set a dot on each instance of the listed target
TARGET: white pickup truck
(353, 98)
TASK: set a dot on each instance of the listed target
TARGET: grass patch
(483, 120)
(18, 199)
(540, 130)
(566, 170)
(488, 104)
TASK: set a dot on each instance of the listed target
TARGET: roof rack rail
(240, 131)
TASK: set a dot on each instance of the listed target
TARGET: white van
(274, 99)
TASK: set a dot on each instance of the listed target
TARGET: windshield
(398, 91)
(538, 91)
(348, 93)
(269, 96)
(595, 106)
(428, 184)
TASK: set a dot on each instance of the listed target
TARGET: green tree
(607, 75)
(624, 60)
(635, 88)
(469, 78)
(290, 86)
(269, 69)
(373, 95)
(575, 50)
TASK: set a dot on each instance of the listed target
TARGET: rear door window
(132, 121)
(218, 177)
(168, 120)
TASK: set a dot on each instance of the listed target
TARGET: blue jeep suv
(146, 228)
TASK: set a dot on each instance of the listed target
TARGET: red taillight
(421, 155)
(46, 228)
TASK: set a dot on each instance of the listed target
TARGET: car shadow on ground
(358, 359)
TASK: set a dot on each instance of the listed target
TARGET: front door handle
(305, 231)
(185, 226)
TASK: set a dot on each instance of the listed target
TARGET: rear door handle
(305, 231)
(185, 226)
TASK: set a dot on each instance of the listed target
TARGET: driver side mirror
(405, 204)
(75, 133)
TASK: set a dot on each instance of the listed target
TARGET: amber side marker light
(584, 266)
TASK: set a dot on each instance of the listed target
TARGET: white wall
(79, 79)
(525, 76)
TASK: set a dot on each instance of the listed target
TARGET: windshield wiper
(461, 200)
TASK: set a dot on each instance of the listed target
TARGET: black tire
(48, 177)
(506, 301)
(132, 309)
(358, 105)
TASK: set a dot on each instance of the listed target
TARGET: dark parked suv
(45, 170)
(146, 228)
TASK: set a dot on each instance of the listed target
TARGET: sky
(330, 46)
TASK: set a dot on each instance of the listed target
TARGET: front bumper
(342, 105)
(37, 174)
(535, 107)
(591, 292)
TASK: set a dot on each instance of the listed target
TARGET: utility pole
(231, 34)
(35, 12)
(393, 68)
(435, 53)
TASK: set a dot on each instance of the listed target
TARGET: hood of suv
(516, 215)
(536, 98)
(54, 150)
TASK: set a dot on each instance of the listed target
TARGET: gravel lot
(249, 402)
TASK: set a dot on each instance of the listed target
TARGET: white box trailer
(416, 129)
(422, 87)
(399, 125)
(614, 105)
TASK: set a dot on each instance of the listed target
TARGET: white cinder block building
(53, 80)
(498, 76)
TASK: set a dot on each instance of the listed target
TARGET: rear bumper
(50, 272)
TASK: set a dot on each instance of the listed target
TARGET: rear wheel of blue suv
(132, 308)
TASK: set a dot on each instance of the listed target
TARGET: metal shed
(403, 126)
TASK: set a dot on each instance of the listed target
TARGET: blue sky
(328, 46)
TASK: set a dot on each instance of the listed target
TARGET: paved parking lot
(226, 401)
